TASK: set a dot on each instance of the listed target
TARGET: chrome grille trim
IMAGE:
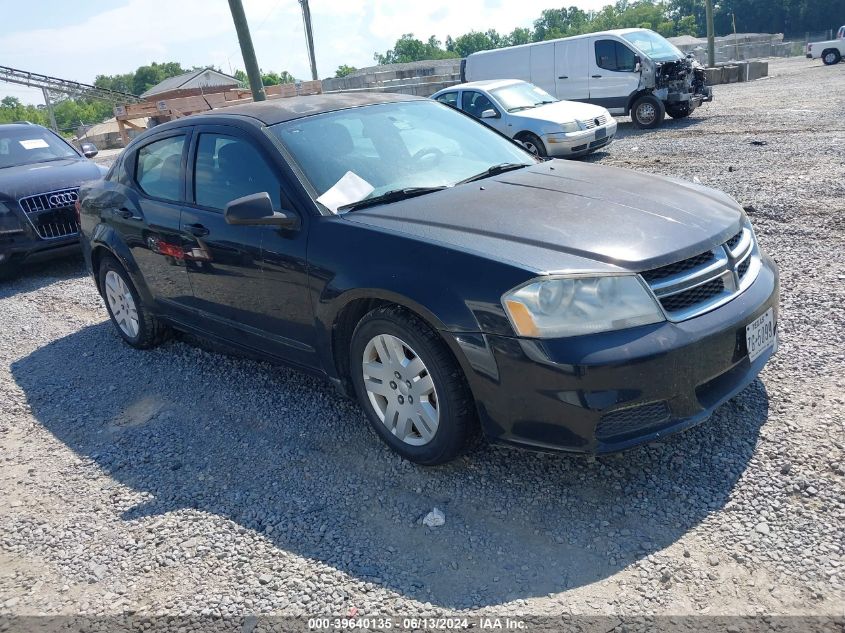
(51, 214)
(735, 262)
(589, 124)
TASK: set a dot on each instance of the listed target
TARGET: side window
(158, 170)
(475, 103)
(227, 168)
(449, 98)
(612, 55)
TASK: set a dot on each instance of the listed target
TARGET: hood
(560, 216)
(26, 180)
(562, 112)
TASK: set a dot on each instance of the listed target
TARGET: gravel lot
(183, 480)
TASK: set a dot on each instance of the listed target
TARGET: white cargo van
(627, 71)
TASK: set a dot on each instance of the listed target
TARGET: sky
(83, 38)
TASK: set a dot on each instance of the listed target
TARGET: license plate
(760, 334)
(601, 133)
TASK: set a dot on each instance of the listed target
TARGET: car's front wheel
(648, 112)
(831, 56)
(532, 143)
(412, 389)
(135, 324)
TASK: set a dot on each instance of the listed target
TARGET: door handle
(563, 77)
(595, 76)
(197, 230)
(125, 213)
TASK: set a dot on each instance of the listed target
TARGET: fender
(104, 238)
(349, 262)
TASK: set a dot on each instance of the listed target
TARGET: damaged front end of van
(679, 84)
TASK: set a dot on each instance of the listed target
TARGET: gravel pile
(183, 480)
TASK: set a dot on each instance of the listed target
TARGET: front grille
(633, 419)
(52, 214)
(731, 243)
(678, 267)
(598, 121)
(707, 280)
(693, 296)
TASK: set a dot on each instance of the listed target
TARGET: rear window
(158, 170)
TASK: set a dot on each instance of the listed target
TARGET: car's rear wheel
(412, 389)
(648, 112)
(532, 143)
(831, 56)
(135, 324)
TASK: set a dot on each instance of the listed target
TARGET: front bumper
(581, 142)
(22, 248)
(610, 391)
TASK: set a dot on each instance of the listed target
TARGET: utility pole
(309, 37)
(247, 51)
(711, 43)
(50, 112)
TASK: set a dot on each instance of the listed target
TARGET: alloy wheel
(400, 389)
(122, 304)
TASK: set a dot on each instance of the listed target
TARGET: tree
(148, 76)
(344, 70)
(11, 110)
(410, 49)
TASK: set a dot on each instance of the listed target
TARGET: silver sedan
(533, 117)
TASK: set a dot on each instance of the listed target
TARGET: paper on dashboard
(351, 188)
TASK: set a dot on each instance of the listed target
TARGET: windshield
(521, 96)
(655, 46)
(392, 146)
(31, 144)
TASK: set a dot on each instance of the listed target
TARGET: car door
(475, 103)
(250, 282)
(613, 73)
(571, 66)
(147, 215)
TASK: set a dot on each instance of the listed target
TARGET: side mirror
(638, 63)
(257, 209)
(89, 150)
(489, 113)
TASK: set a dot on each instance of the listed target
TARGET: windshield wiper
(521, 108)
(493, 171)
(394, 195)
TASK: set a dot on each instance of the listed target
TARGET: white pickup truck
(831, 51)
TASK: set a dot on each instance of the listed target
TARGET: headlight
(9, 222)
(570, 306)
(572, 126)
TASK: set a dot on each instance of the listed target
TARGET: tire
(648, 112)
(831, 56)
(436, 427)
(532, 143)
(123, 303)
(678, 112)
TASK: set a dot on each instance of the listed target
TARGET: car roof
(279, 110)
(23, 126)
(484, 84)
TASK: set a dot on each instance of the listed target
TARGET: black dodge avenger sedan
(437, 270)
